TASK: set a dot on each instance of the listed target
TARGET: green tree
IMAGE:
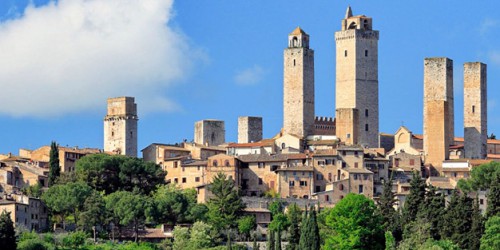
(67, 199)
(491, 236)
(356, 224)
(390, 217)
(414, 200)
(129, 208)
(457, 220)
(324, 230)
(200, 236)
(225, 206)
(433, 210)
(314, 231)
(246, 224)
(278, 239)
(481, 177)
(181, 238)
(33, 190)
(170, 205)
(494, 198)
(271, 241)
(94, 212)
(477, 227)
(305, 237)
(54, 167)
(294, 217)
(7, 233)
(390, 241)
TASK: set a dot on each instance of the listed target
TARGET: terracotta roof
(493, 141)
(493, 156)
(298, 31)
(459, 139)
(456, 146)
(195, 163)
(298, 169)
(297, 156)
(456, 170)
(477, 162)
(419, 137)
(252, 144)
(358, 171)
(262, 158)
(325, 152)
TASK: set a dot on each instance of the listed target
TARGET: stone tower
(438, 110)
(298, 93)
(249, 129)
(209, 132)
(475, 110)
(356, 93)
(120, 126)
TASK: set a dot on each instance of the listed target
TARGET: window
(198, 168)
(366, 127)
(366, 112)
(214, 163)
(261, 165)
(226, 163)
(327, 198)
(360, 189)
(184, 180)
(473, 108)
(344, 165)
(355, 165)
(412, 162)
(366, 177)
(355, 176)
(330, 176)
(319, 177)
(366, 53)
(197, 179)
(175, 180)
(183, 169)
(454, 174)
(348, 136)
(175, 164)
(481, 201)
(283, 145)
(112, 133)
(291, 183)
(303, 183)
(294, 173)
(341, 187)
(293, 62)
(345, 53)
(260, 181)
(343, 153)
(341, 197)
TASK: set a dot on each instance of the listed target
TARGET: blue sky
(191, 60)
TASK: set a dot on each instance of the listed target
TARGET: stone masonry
(357, 77)
(475, 110)
(120, 126)
(249, 129)
(298, 92)
(209, 132)
(438, 110)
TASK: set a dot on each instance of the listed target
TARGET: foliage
(278, 240)
(54, 167)
(200, 236)
(309, 232)
(481, 177)
(477, 227)
(75, 240)
(33, 190)
(294, 217)
(491, 236)
(305, 240)
(110, 173)
(355, 223)
(129, 208)
(271, 241)
(226, 205)
(67, 199)
(170, 204)
(390, 217)
(324, 230)
(7, 233)
(94, 212)
(432, 211)
(181, 237)
(457, 220)
(414, 200)
(494, 198)
(246, 224)
(390, 241)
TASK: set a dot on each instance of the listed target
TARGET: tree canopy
(7, 233)
(54, 167)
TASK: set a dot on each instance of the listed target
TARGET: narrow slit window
(473, 109)
(366, 53)
(345, 53)
(366, 112)
(366, 127)
(293, 62)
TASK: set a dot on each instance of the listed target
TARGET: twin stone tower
(356, 93)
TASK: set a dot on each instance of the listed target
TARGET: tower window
(112, 133)
(293, 62)
(366, 112)
(345, 53)
(366, 127)
(366, 53)
(473, 108)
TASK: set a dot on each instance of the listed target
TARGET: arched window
(226, 163)
(214, 163)
(341, 187)
(283, 145)
(295, 41)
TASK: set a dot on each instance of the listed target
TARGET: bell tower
(356, 89)
(298, 93)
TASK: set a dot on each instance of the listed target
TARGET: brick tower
(475, 110)
(438, 110)
(120, 126)
(356, 92)
(298, 93)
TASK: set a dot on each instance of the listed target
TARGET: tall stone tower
(209, 132)
(120, 126)
(356, 93)
(298, 99)
(249, 129)
(475, 110)
(438, 110)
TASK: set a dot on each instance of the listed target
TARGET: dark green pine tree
(255, 245)
(494, 198)
(305, 238)
(294, 214)
(477, 228)
(457, 221)
(414, 200)
(7, 233)
(54, 167)
(313, 230)
(390, 217)
(270, 240)
(433, 210)
(278, 239)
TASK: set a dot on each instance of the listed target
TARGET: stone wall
(249, 129)
(209, 132)
(475, 110)
(120, 126)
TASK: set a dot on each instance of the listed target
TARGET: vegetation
(54, 167)
(7, 233)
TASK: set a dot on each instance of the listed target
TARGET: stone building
(438, 110)
(298, 92)
(324, 126)
(249, 129)
(356, 93)
(475, 110)
(67, 156)
(209, 132)
(120, 126)
(30, 213)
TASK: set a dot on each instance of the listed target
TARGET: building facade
(120, 126)
(475, 111)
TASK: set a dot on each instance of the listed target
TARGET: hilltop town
(312, 160)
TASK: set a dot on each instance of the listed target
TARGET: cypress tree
(270, 240)
(304, 241)
(477, 227)
(255, 245)
(457, 221)
(278, 239)
(494, 198)
(432, 211)
(390, 217)
(415, 199)
(314, 231)
(293, 214)
(54, 167)
(7, 233)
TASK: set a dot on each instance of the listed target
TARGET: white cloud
(494, 56)
(69, 56)
(487, 24)
(249, 76)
